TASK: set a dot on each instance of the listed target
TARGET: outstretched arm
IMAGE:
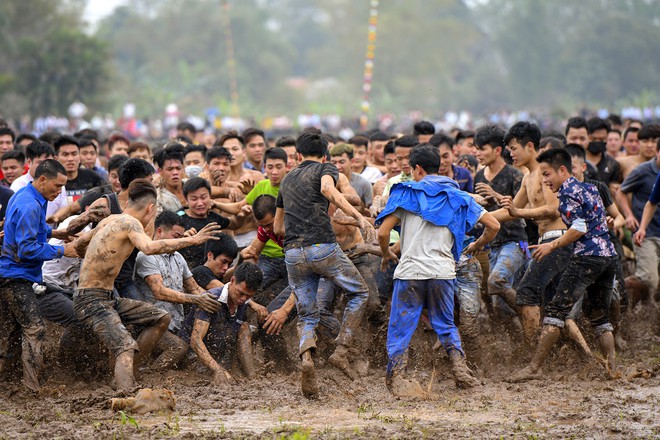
(331, 193)
(148, 246)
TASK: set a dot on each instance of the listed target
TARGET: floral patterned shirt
(578, 200)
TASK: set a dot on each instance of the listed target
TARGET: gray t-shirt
(173, 269)
(363, 188)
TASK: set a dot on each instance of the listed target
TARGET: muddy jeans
(305, 267)
(408, 300)
(107, 316)
(20, 301)
(590, 278)
(505, 261)
(540, 275)
(467, 292)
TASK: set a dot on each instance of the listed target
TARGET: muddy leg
(547, 340)
(340, 360)
(531, 319)
(244, 349)
(124, 379)
(462, 375)
(574, 333)
(172, 349)
(310, 386)
(148, 339)
(606, 341)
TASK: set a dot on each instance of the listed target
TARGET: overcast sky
(97, 9)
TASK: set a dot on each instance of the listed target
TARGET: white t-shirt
(372, 174)
(52, 207)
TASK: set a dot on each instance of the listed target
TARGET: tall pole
(231, 60)
(369, 64)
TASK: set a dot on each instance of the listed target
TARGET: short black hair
(86, 141)
(192, 148)
(168, 219)
(116, 161)
(576, 150)
(615, 119)
(311, 145)
(171, 151)
(263, 205)
(14, 154)
(359, 141)
(276, 153)
(556, 158)
(492, 135)
(440, 139)
(65, 140)
(379, 136)
(9, 131)
(406, 141)
(231, 134)
(423, 127)
(224, 245)
(218, 153)
(38, 149)
(250, 274)
(141, 190)
(389, 148)
(49, 168)
(186, 126)
(596, 123)
(251, 132)
(285, 141)
(87, 132)
(553, 141)
(629, 130)
(649, 131)
(524, 132)
(195, 183)
(21, 137)
(576, 122)
(427, 157)
(464, 134)
(133, 169)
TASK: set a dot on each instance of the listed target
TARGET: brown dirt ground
(571, 403)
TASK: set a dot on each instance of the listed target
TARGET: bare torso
(629, 163)
(107, 251)
(533, 182)
(347, 236)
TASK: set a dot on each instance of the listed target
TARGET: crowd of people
(185, 254)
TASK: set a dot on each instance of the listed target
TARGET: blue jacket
(438, 200)
(26, 247)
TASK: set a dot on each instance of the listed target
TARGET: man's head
(255, 145)
(424, 160)
(7, 138)
(276, 159)
(140, 150)
(648, 139)
(423, 130)
(465, 143)
(24, 139)
(549, 142)
(49, 178)
(377, 142)
(288, 144)
(114, 164)
(169, 160)
(391, 164)
(360, 145)
(402, 148)
(12, 165)
(523, 141)
(445, 146)
(220, 254)
(341, 156)
(489, 140)
(614, 141)
(197, 192)
(578, 160)
(133, 169)
(556, 167)
(142, 198)
(186, 129)
(577, 132)
(88, 152)
(598, 130)
(67, 151)
(311, 145)
(615, 121)
(219, 160)
(263, 210)
(37, 152)
(168, 225)
(245, 283)
(235, 144)
(118, 144)
(194, 158)
(631, 141)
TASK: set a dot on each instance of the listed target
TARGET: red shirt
(264, 236)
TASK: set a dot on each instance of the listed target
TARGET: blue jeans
(408, 300)
(505, 261)
(306, 266)
(273, 269)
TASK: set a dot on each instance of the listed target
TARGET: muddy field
(573, 402)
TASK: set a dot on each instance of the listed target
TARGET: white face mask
(193, 170)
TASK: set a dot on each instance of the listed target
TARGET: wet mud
(573, 400)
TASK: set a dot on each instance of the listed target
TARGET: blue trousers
(408, 300)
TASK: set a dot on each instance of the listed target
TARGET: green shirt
(271, 249)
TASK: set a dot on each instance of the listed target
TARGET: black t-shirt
(195, 255)
(5, 195)
(203, 276)
(609, 170)
(306, 219)
(86, 180)
(507, 183)
(93, 195)
(604, 192)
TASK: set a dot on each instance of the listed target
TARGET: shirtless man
(95, 305)
(648, 137)
(523, 140)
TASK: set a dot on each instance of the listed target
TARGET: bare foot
(308, 382)
(524, 375)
